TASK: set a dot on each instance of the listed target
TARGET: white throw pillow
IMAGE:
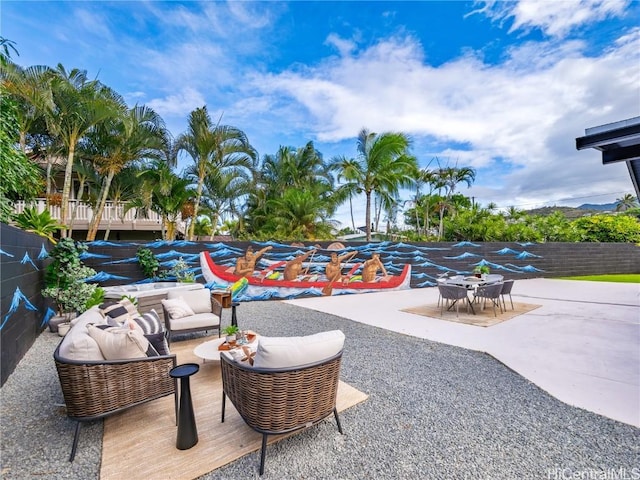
(119, 343)
(177, 308)
(285, 352)
(77, 344)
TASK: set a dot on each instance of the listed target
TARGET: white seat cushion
(199, 320)
(285, 352)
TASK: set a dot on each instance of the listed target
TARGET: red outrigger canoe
(259, 282)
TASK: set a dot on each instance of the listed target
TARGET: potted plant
(65, 281)
(230, 333)
(481, 271)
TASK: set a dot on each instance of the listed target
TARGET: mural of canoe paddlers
(246, 264)
(305, 273)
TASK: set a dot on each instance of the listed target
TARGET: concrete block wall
(23, 309)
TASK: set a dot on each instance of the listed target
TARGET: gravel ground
(434, 411)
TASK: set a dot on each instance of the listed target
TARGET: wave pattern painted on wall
(428, 263)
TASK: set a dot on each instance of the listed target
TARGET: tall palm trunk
(74, 212)
(196, 206)
(368, 215)
(353, 222)
(97, 216)
(66, 189)
(164, 226)
(49, 168)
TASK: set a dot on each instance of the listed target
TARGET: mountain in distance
(575, 212)
(609, 207)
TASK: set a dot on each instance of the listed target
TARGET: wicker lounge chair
(96, 389)
(281, 400)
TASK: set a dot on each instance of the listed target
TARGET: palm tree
(449, 178)
(163, 192)
(291, 167)
(383, 166)
(347, 170)
(78, 105)
(137, 134)
(31, 89)
(626, 202)
(203, 227)
(88, 178)
(212, 147)
(221, 193)
(6, 47)
(289, 170)
(300, 215)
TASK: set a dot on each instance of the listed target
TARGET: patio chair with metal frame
(453, 294)
(506, 290)
(489, 292)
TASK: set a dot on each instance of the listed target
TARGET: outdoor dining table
(471, 283)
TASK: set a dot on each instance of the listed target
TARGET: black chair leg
(223, 404)
(75, 442)
(263, 451)
(335, 414)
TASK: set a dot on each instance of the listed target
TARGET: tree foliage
(21, 178)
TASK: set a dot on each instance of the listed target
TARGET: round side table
(187, 431)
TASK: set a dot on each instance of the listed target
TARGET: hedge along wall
(24, 311)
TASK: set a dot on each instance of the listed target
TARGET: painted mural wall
(116, 263)
(24, 256)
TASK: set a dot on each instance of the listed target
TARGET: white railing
(112, 216)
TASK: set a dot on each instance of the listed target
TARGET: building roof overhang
(618, 142)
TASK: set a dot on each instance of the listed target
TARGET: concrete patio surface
(582, 345)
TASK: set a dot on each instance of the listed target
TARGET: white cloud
(554, 18)
(517, 120)
(180, 104)
(92, 22)
(342, 45)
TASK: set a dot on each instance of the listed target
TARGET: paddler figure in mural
(293, 267)
(247, 264)
(371, 267)
(333, 270)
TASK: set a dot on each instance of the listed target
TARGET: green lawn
(622, 278)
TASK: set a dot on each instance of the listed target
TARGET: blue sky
(504, 87)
